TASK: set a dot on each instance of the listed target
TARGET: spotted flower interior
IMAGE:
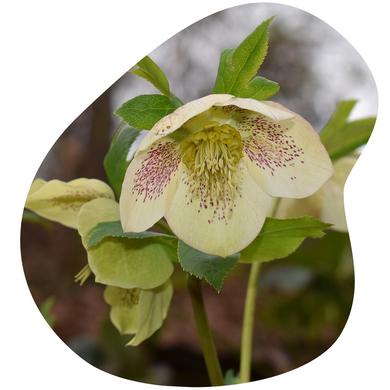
(217, 162)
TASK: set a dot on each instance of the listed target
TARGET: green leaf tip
(202, 265)
(149, 70)
(238, 67)
(341, 137)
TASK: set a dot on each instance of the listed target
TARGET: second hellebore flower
(212, 167)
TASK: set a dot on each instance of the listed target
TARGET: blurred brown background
(304, 300)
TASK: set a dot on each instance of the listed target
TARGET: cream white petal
(295, 208)
(327, 204)
(176, 119)
(216, 227)
(149, 186)
(286, 158)
(260, 107)
(333, 193)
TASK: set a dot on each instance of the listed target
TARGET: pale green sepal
(114, 229)
(118, 261)
(124, 308)
(36, 185)
(60, 202)
(153, 307)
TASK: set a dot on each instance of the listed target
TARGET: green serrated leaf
(238, 67)
(211, 267)
(149, 70)
(341, 137)
(114, 229)
(350, 137)
(259, 88)
(116, 160)
(338, 119)
(144, 111)
(280, 237)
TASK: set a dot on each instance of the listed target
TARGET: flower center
(212, 156)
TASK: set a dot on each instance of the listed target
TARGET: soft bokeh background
(304, 300)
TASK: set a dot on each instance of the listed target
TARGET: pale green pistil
(212, 156)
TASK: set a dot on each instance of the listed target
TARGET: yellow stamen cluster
(212, 156)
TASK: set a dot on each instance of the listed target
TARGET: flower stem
(248, 322)
(206, 339)
(249, 312)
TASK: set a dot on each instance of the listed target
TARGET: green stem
(249, 312)
(206, 339)
(248, 322)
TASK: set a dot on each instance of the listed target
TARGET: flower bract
(212, 167)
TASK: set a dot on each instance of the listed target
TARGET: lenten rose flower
(212, 167)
